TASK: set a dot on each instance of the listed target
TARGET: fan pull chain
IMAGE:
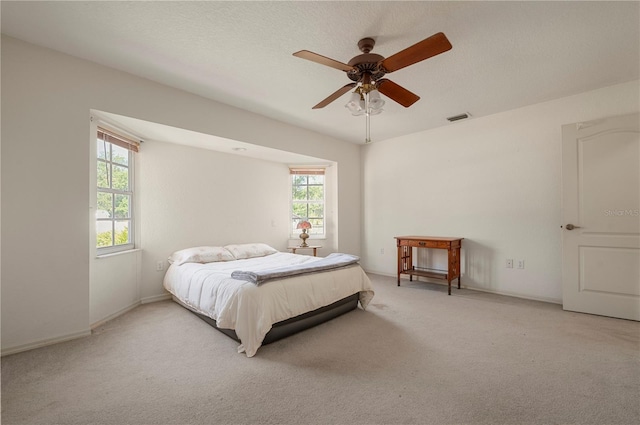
(367, 138)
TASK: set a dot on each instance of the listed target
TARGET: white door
(601, 217)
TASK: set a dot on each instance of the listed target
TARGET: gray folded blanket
(330, 262)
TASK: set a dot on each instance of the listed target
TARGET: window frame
(114, 139)
(293, 172)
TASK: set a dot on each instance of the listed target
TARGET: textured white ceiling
(505, 54)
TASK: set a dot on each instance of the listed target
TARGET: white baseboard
(114, 315)
(474, 288)
(51, 341)
(155, 298)
(120, 312)
(511, 294)
(44, 343)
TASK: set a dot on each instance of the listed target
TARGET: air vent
(459, 117)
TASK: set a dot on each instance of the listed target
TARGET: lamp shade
(304, 224)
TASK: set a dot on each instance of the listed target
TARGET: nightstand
(314, 247)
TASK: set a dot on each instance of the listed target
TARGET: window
(308, 200)
(114, 212)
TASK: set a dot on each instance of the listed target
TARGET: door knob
(571, 227)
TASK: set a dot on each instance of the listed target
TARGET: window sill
(115, 254)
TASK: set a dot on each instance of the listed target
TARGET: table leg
(457, 260)
(450, 268)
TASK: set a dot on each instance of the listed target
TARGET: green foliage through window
(307, 202)
(114, 195)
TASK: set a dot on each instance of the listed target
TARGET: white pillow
(250, 250)
(201, 254)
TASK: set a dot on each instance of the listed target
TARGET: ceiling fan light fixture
(375, 101)
(355, 105)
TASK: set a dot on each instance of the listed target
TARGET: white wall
(494, 181)
(114, 285)
(46, 99)
(192, 197)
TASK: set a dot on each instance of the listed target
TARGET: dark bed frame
(296, 324)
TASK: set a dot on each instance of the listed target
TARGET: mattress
(251, 310)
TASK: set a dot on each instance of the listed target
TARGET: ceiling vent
(459, 117)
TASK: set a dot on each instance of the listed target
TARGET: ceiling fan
(367, 69)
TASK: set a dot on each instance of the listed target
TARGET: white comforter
(251, 310)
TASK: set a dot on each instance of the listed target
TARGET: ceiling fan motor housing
(366, 63)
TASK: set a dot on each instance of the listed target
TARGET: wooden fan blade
(396, 92)
(429, 47)
(335, 95)
(322, 60)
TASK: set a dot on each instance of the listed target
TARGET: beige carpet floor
(416, 356)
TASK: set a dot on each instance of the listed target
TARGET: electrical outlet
(160, 266)
(521, 264)
(381, 250)
(509, 263)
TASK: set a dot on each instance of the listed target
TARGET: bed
(270, 295)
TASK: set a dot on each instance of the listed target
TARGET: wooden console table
(405, 257)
